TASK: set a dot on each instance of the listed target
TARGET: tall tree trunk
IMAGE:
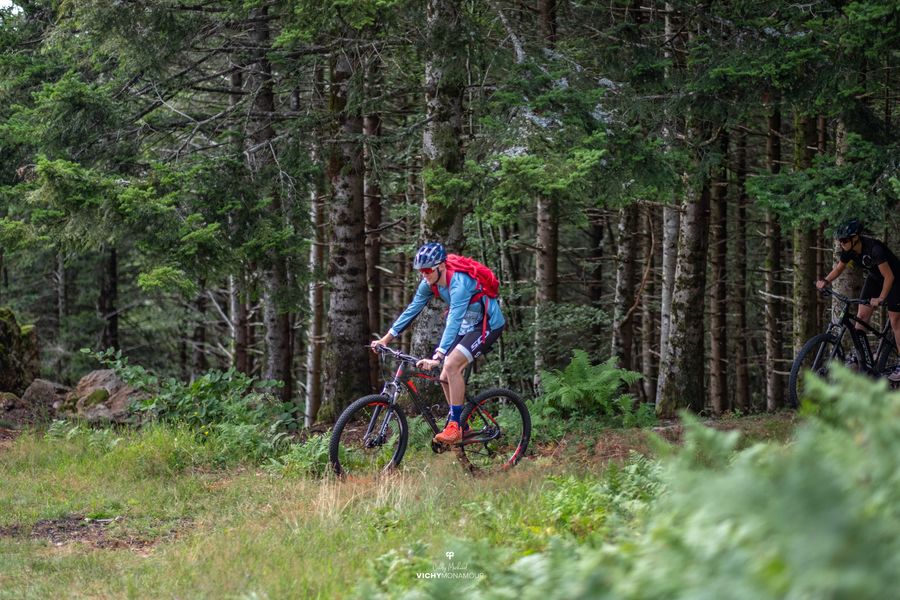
(62, 304)
(546, 259)
(548, 10)
(649, 332)
(62, 308)
(718, 325)
(317, 268)
(372, 209)
(682, 374)
(673, 50)
(315, 331)
(445, 78)
(774, 339)
(741, 373)
(805, 238)
(263, 167)
(626, 257)
(199, 361)
(346, 357)
(106, 305)
(851, 280)
(240, 323)
(671, 229)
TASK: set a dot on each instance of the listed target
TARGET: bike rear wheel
(816, 355)
(369, 437)
(499, 429)
(887, 358)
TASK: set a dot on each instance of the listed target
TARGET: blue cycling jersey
(462, 318)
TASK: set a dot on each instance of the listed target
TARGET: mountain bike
(372, 434)
(843, 342)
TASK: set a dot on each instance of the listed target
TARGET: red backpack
(488, 284)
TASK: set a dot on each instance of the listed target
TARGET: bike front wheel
(369, 437)
(816, 355)
(496, 431)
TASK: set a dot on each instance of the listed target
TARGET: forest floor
(132, 515)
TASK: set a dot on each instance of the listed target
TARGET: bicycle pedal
(439, 448)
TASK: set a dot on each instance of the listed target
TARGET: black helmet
(848, 229)
(429, 255)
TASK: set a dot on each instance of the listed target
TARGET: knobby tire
(347, 451)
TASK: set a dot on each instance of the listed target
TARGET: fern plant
(586, 390)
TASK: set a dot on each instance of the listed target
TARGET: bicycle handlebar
(396, 354)
(826, 291)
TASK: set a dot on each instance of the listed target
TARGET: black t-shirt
(873, 253)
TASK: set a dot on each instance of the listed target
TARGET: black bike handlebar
(826, 291)
(396, 354)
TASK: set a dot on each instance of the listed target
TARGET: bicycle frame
(849, 322)
(403, 381)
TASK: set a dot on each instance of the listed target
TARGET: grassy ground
(142, 515)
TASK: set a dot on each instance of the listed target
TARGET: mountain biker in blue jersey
(882, 268)
(466, 336)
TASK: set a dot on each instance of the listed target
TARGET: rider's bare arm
(835, 273)
(886, 272)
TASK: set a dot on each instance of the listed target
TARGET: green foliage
(151, 451)
(307, 458)
(817, 518)
(222, 408)
(830, 192)
(583, 389)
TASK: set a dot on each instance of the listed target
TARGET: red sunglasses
(426, 271)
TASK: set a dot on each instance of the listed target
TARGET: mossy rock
(8, 401)
(18, 353)
(98, 396)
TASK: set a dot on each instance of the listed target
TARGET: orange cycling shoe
(450, 435)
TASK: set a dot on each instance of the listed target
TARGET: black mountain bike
(372, 433)
(843, 342)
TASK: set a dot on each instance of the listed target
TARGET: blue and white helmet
(429, 255)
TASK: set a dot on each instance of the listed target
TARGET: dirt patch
(95, 533)
(7, 436)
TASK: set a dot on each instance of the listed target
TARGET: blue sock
(455, 412)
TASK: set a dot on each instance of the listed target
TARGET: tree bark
(741, 372)
(546, 259)
(441, 145)
(315, 333)
(623, 321)
(649, 331)
(682, 374)
(671, 229)
(346, 357)
(805, 238)
(718, 325)
(851, 280)
(240, 323)
(373, 211)
(774, 339)
(199, 361)
(262, 164)
(106, 304)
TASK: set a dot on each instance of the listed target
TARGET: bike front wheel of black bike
(368, 438)
(496, 431)
(816, 356)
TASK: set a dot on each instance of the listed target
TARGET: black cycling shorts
(872, 289)
(471, 345)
